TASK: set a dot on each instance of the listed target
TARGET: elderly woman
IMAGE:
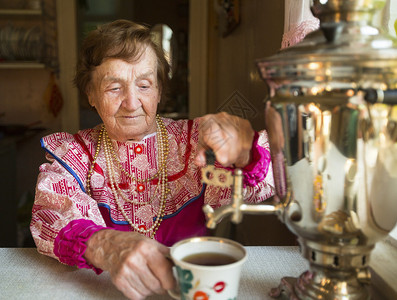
(114, 197)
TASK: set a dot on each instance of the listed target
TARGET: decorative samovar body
(333, 136)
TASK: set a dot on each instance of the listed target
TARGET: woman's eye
(114, 89)
(144, 85)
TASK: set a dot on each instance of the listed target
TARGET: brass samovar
(332, 128)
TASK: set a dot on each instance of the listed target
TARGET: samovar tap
(237, 207)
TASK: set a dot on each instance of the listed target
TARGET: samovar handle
(380, 96)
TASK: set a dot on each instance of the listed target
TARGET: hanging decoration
(228, 15)
(53, 96)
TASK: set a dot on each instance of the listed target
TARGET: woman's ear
(90, 101)
(90, 97)
(160, 93)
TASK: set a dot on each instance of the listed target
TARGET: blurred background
(212, 46)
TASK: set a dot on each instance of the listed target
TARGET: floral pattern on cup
(185, 279)
(186, 284)
(219, 286)
(200, 295)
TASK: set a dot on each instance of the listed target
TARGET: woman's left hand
(230, 138)
(137, 265)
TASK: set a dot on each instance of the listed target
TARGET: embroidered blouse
(64, 216)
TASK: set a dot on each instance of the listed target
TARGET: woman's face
(126, 96)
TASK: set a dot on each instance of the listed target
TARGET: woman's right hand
(137, 265)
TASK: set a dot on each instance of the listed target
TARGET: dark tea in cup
(209, 259)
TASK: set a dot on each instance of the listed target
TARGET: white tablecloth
(26, 274)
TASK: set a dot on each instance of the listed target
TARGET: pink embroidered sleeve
(56, 209)
(70, 244)
(257, 170)
(63, 216)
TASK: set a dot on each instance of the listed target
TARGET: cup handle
(174, 294)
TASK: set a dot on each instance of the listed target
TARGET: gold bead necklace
(111, 156)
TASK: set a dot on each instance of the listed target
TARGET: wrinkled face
(126, 96)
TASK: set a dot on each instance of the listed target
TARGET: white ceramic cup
(207, 282)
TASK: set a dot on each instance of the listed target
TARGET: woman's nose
(131, 100)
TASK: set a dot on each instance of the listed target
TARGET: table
(26, 274)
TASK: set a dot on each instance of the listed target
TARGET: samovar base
(309, 286)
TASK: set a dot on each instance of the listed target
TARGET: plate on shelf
(19, 43)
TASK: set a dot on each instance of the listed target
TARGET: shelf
(21, 65)
(34, 30)
(20, 12)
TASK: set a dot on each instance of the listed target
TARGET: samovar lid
(345, 55)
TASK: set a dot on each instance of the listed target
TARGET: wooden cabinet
(8, 216)
(28, 55)
(28, 36)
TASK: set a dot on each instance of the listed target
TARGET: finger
(136, 273)
(219, 142)
(219, 133)
(230, 137)
(150, 283)
(243, 160)
(152, 272)
(163, 271)
(200, 159)
(143, 279)
(161, 267)
(129, 287)
(210, 132)
(132, 293)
